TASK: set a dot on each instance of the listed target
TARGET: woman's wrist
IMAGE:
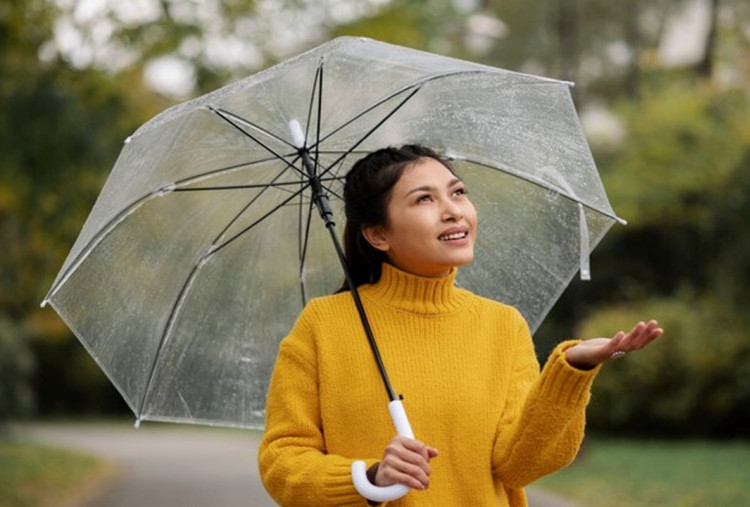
(572, 355)
(578, 365)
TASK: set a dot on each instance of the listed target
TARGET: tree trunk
(705, 66)
(633, 40)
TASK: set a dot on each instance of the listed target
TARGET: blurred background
(662, 87)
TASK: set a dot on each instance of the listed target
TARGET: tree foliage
(680, 174)
(17, 364)
(60, 131)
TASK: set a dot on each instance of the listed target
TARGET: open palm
(594, 351)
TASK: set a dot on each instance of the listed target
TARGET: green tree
(16, 368)
(60, 131)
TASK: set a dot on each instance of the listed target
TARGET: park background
(663, 91)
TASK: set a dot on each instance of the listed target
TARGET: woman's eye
(424, 198)
(460, 191)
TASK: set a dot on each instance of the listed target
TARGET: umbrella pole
(321, 202)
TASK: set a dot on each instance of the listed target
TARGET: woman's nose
(451, 211)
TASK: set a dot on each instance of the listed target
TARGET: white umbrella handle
(359, 468)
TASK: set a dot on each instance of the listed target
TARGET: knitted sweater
(471, 385)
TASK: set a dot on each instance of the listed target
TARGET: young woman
(487, 422)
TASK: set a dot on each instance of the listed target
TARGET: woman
(487, 422)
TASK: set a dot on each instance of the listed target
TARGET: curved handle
(359, 468)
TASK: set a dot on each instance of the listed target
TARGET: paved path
(166, 465)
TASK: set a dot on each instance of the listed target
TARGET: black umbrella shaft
(324, 207)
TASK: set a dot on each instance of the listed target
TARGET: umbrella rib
(283, 203)
(544, 185)
(228, 116)
(181, 296)
(398, 92)
(219, 171)
(247, 206)
(320, 113)
(332, 192)
(312, 99)
(278, 186)
(366, 111)
(163, 339)
(221, 112)
(371, 131)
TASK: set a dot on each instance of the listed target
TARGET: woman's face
(431, 222)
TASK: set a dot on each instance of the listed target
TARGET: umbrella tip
(137, 424)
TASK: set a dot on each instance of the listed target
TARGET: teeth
(455, 235)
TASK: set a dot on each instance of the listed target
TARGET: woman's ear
(377, 237)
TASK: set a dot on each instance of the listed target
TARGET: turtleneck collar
(417, 294)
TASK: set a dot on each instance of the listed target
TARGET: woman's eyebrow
(429, 188)
(424, 188)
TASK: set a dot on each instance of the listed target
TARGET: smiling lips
(453, 235)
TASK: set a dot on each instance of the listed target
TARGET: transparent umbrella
(205, 241)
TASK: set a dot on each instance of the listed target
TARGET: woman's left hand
(589, 353)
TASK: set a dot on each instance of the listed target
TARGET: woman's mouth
(453, 236)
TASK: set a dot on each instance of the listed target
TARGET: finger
(633, 338)
(409, 456)
(432, 452)
(637, 330)
(646, 336)
(415, 446)
(656, 333)
(392, 476)
(396, 470)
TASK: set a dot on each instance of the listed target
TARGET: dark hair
(366, 193)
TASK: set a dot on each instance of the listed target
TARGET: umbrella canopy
(204, 245)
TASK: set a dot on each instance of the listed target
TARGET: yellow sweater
(471, 386)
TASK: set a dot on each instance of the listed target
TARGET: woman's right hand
(405, 461)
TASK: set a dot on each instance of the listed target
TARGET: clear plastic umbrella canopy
(204, 243)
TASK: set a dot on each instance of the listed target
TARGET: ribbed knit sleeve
(294, 465)
(543, 421)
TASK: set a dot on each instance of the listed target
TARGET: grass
(33, 475)
(614, 473)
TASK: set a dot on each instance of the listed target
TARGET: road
(165, 465)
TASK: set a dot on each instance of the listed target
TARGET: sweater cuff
(564, 384)
(338, 485)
